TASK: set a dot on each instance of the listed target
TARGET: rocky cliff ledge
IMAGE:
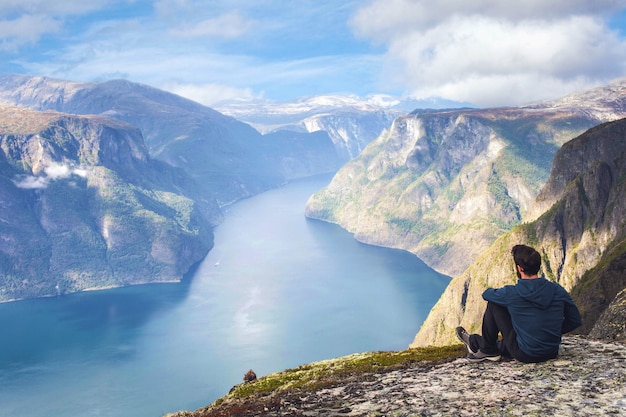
(587, 379)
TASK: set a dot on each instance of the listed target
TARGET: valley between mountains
(115, 183)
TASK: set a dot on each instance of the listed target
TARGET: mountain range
(228, 159)
(118, 183)
(351, 122)
(444, 184)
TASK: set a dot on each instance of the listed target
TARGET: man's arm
(496, 295)
(572, 318)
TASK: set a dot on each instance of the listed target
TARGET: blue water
(277, 291)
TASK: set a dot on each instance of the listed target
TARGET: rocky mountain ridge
(84, 206)
(604, 102)
(228, 159)
(445, 184)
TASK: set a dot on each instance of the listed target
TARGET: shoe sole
(486, 358)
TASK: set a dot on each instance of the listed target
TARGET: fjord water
(277, 291)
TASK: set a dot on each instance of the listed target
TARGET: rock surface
(612, 322)
(587, 379)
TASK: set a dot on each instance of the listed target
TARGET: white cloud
(493, 53)
(387, 18)
(25, 22)
(207, 94)
(81, 172)
(229, 25)
(488, 52)
(211, 77)
(151, 65)
(25, 29)
(52, 172)
(57, 171)
(31, 182)
(208, 53)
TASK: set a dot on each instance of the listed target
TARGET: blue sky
(487, 52)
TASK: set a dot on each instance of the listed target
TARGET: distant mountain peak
(242, 108)
(609, 98)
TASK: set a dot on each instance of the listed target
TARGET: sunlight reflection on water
(277, 291)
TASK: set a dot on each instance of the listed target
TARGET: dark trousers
(497, 320)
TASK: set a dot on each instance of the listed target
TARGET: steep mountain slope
(84, 206)
(229, 159)
(580, 237)
(445, 184)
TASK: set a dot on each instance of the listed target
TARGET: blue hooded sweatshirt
(541, 311)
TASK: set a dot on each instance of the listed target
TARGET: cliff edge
(587, 379)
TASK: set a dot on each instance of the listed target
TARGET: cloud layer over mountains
(494, 53)
(487, 52)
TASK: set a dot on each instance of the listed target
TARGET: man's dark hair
(528, 258)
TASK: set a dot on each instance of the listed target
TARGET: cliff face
(579, 235)
(445, 184)
(228, 159)
(84, 206)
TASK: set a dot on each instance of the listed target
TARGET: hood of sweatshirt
(537, 291)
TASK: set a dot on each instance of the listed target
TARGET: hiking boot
(465, 338)
(480, 356)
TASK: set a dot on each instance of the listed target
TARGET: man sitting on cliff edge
(531, 316)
